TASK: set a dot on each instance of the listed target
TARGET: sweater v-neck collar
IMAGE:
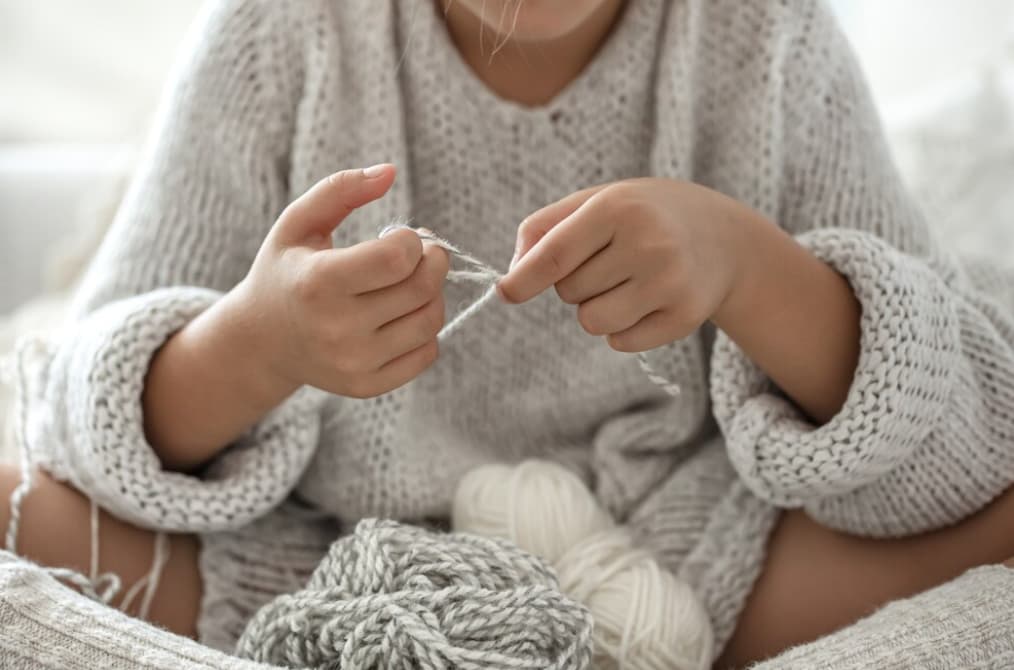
(428, 43)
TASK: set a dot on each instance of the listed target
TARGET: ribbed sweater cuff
(89, 429)
(910, 344)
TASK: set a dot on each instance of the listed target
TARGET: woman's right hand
(356, 321)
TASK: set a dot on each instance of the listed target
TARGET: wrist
(234, 334)
(749, 237)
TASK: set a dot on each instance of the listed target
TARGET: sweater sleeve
(925, 436)
(212, 182)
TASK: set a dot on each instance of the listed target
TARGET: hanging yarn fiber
(397, 596)
(483, 274)
(645, 618)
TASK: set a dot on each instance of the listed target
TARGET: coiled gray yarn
(397, 596)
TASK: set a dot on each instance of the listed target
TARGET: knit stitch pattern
(391, 595)
(759, 100)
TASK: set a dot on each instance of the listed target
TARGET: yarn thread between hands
(645, 618)
(397, 596)
(485, 275)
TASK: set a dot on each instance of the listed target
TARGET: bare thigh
(816, 581)
(55, 531)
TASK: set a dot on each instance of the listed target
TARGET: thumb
(316, 213)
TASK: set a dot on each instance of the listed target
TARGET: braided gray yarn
(396, 596)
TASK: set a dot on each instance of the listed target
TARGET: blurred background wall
(90, 71)
(910, 47)
(79, 81)
(85, 70)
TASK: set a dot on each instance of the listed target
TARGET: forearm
(206, 386)
(795, 317)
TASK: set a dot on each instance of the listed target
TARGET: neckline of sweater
(633, 39)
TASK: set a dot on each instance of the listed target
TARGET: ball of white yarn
(645, 618)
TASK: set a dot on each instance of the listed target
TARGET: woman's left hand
(647, 260)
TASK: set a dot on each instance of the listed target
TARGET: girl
(705, 179)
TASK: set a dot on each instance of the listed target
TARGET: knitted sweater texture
(758, 99)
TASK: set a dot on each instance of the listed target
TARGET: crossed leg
(55, 531)
(816, 581)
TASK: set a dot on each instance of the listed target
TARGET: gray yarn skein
(397, 596)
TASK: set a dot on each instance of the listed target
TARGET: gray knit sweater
(760, 100)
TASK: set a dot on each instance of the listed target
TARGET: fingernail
(426, 231)
(513, 262)
(388, 230)
(374, 171)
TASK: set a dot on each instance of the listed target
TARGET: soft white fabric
(757, 99)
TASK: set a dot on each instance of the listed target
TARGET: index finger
(537, 224)
(557, 254)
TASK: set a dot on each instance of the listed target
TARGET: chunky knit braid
(394, 596)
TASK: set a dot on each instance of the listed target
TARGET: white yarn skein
(645, 618)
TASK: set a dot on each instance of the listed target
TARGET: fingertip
(361, 185)
(617, 343)
(389, 228)
(445, 258)
(506, 293)
(406, 240)
(402, 234)
(413, 241)
(378, 171)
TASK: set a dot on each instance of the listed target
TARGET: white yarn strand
(151, 580)
(475, 272)
(483, 274)
(19, 379)
(669, 387)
